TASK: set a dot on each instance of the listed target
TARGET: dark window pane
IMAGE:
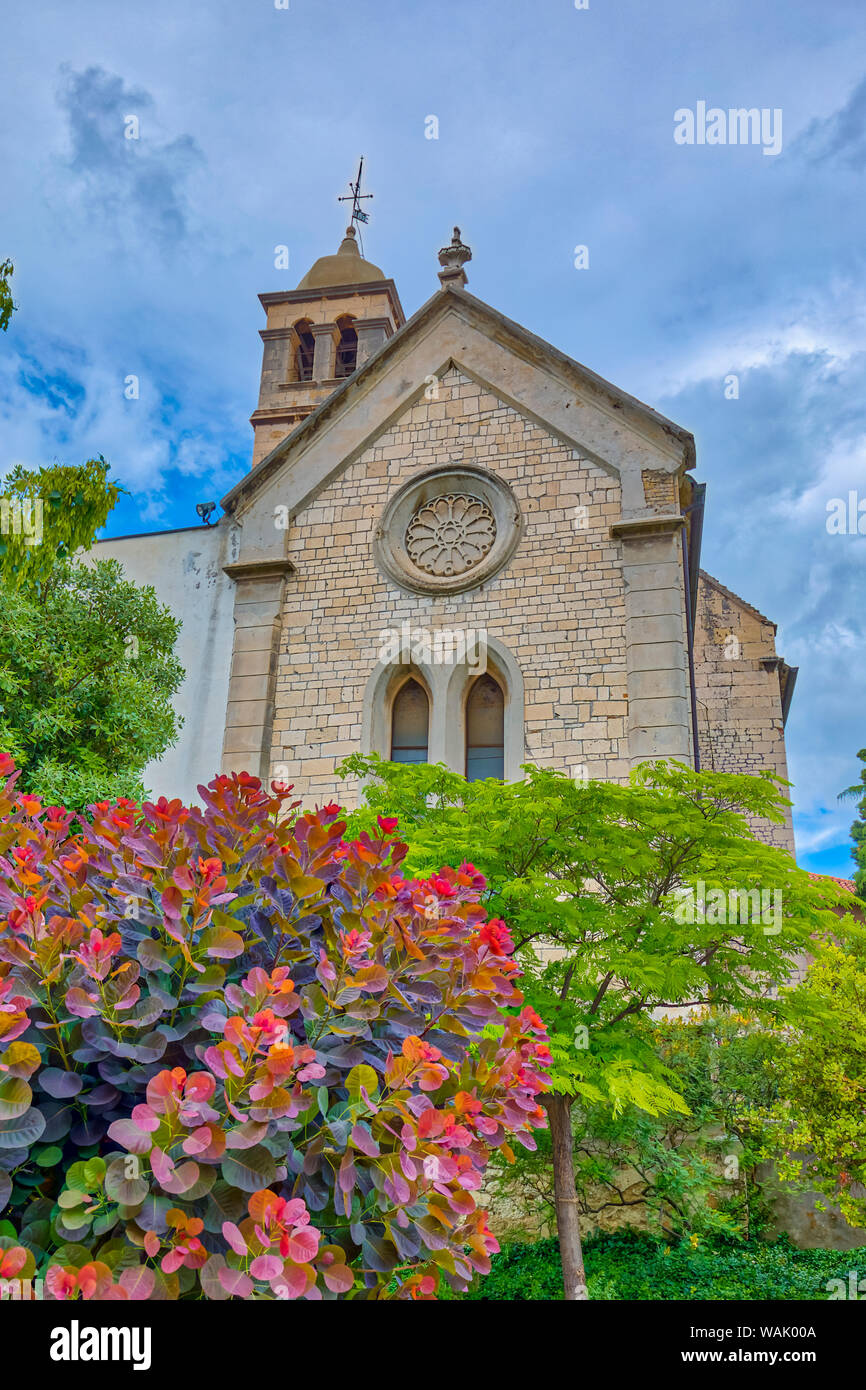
(484, 762)
(305, 351)
(347, 350)
(485, 730)
(410, 718)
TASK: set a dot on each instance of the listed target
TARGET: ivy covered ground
(627, 1265)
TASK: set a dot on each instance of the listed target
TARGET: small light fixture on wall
(205, 510)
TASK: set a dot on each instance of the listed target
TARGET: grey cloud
(141, 179)
(840, 138)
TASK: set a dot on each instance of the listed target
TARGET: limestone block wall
(739, 699)
(558, 606)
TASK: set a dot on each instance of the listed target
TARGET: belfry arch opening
(304, 351)
(347, 347)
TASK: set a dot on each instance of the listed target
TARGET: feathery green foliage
(588, 876)
(858, 829)
(49, 515)
(7, 305)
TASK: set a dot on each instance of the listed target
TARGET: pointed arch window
(347, 348)
(305, 351)
(410, 724)
(485, 730)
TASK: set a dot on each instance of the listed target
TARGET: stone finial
(349, 245)
(452, 259)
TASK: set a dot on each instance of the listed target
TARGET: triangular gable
(606, 425)
(735, 598)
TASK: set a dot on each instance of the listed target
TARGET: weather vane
(356, 198)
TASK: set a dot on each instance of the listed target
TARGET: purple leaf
(60, 1084)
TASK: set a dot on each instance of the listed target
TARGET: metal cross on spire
(356, 198)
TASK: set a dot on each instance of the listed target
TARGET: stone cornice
(387, 287)
(641, 526)
(259, 569)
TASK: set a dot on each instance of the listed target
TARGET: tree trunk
(565, 1197)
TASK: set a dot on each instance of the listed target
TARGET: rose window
(450, 534)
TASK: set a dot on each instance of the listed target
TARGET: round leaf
(48, 1157)
(15, 1097)
(21, 1133)
(60, 1084)
(255, 1168)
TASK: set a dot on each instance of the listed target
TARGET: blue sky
(556, 129)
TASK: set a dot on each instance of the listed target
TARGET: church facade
(454, 544)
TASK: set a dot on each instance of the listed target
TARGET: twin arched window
(484, 721)
(345, 354)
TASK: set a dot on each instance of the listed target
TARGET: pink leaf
(138, 1282)
(214, 1059)
(127, 1133)
(339, 1278)
(311, 1072)
(162, 1165)
(235, 1282)
(303, 1244)
(145, 1118)
(198, 1141)
(363, 1140)
(293, 1282)
(346, 1175)
(185, 1176)
(81, 1004)
(234, 1238)
(266, 1267)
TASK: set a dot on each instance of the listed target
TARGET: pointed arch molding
(447, 687)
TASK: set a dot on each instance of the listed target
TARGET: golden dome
(347, 267)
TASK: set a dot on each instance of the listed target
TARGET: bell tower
(342, 312)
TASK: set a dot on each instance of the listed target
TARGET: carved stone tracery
(450, 534)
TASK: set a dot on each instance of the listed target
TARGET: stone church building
(454, 543)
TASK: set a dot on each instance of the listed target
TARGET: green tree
(619, 898)
(681, 1174)
(50, 514)
(7, 307)
(87, 664)
(87, 672)
(858, 829)
(820, 1117)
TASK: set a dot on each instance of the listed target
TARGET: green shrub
(627, 1265)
